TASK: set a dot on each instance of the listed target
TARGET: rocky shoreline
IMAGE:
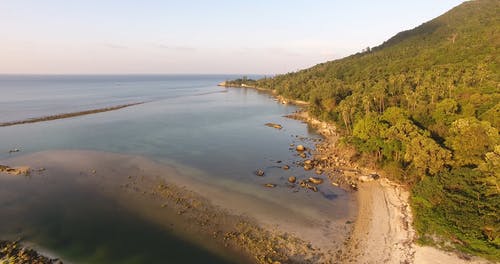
(148, 188)
(22, 170)
(383, 230)
(14, 252)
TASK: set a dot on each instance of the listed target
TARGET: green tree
(470, 139)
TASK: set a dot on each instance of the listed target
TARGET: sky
(195, 36)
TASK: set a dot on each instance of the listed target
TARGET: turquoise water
(186, 120)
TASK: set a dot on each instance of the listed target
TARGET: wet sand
(239, 220)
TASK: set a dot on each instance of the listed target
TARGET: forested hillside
(426, 106)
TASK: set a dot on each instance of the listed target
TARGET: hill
(425, 105)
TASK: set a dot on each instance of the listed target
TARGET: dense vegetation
(426, 105)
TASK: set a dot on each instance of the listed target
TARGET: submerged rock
(259, 172)
(286, 167)
(312, 187)
(270, 185)
(13, 150)
(292, 179)
(306, 184)
(277, 126)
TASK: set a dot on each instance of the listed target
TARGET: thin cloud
(114, 46)
(176, 48)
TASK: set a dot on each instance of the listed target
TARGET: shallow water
(215, 135)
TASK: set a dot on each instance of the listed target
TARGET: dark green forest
(426, 106)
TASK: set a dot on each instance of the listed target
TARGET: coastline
(164, 194)
(16, 252)
(383, 230)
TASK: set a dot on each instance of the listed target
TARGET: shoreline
(67, 115)
(14, 251)
(383, 230)
(164, 195)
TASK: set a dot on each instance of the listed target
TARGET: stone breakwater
(66, 115)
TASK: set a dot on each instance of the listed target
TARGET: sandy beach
(254, 227)
(383, 231)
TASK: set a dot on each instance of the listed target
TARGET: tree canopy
(428, 102)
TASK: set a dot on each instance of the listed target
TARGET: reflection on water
(85, 217)
(216, 134)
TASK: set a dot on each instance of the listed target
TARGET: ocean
(213, 135)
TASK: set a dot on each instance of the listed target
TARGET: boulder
(365, 178)
(315, 180)
(300, 148)
(259, 172)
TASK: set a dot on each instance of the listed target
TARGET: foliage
(457, 205)
(241, 82)
(426, 105)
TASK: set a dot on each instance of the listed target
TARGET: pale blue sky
(194, 36)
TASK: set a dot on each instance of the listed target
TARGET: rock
(335, 184)
(303, 183)
(277, 126)
(259, 172)
(365, 178)
(306, 184)
(270, 185)
(15, 170)
(292, 179)
(312, 187)
(13, 150)
(286, 167)
(300, 148)
(307, 167)
(308, 162)
(315, 180)
(374, 176)
(94, 171)
(319, 171)
(291, 144)
(303, 155)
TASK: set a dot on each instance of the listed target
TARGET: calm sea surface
(186, 120)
